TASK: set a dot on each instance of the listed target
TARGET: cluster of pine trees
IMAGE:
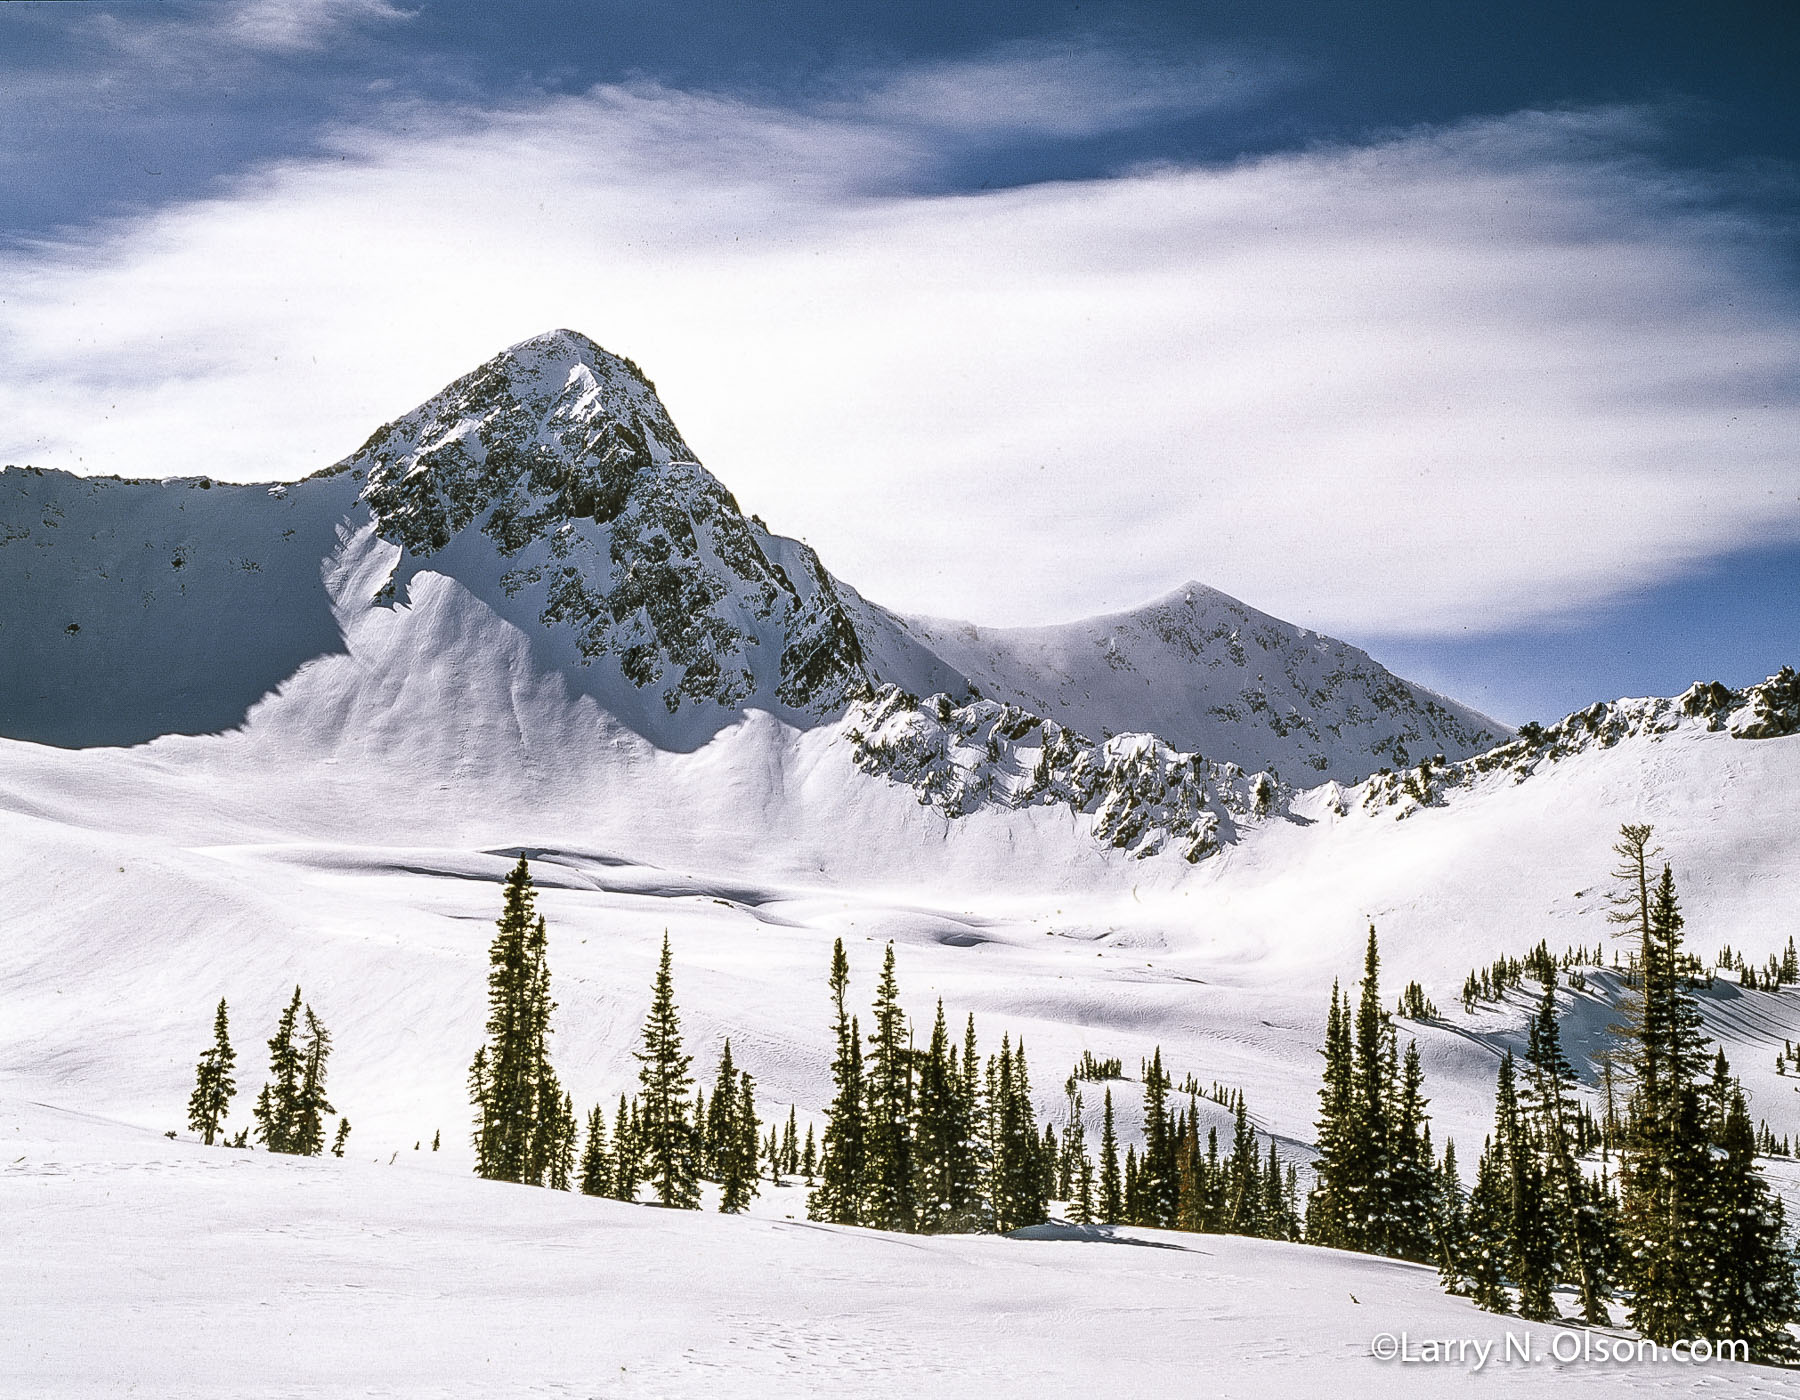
(1377, 1186)
(1777, 971)
(291, 1107)
(927, 1140)
(1688, 1234)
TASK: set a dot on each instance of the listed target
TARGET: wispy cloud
(1072, 88)
(1456, 378)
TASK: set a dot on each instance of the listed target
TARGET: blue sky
(1469, 334)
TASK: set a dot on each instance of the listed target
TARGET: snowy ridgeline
(1767, 710)
(1143, 797)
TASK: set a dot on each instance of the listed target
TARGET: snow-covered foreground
(136, 1265)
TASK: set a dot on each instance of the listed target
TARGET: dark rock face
(562, 455)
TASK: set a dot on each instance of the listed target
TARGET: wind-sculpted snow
(1144, 796)
(562, 456)
(1768, 710)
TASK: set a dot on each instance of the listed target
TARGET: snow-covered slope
(1211, 675)
(551, 488)
(203, 1273)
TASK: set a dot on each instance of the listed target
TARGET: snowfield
(139, 1266)
(302, 752)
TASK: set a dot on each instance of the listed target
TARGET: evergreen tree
(1413, 1202)
(278, 1105)
(1531, 1239)
(1112, 1194)
(342, 1137)
(737, 1145)
(1549, 1096)
(520, 1130)
(213, 1083)
(809, 1158)
(1328, 1208)
(948, 1184)
(1754, 1295)
(662, 1131)
(1489, 1221)
(721, 1117)
(838, 1196)
(1452, 1226)
(559, 1171)
(887, 1178)
(1018, 1178)
(1368, 1172)
(596, 1170)
(626, 1170)
(311, 1106)
(1156, 1169)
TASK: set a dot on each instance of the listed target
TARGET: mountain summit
(547, 497)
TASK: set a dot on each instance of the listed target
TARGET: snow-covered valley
(223, 780)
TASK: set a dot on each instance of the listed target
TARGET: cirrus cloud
(1454, 378)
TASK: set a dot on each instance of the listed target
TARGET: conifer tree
(596, 1170)
(1489, 1220)
(1413, 1202)
(809, 1157)
(948, 1183)
(737, 1153)
(662, 1131)
(278, 1104)
(1368, 1175)
(790, 1143)
(1531, 1240)
(1549, 1097)
(1452, 1226)
(342, 1137)
(311, 1106)
(721, 1117)
(887, 1185)
(838, 1196)
(1156, 1169)
(559, 1170)
(626, 1171)
(1754, 1296)
(1112, 1193)
(213, 1082)
(520, 1130)
(1328, 1208)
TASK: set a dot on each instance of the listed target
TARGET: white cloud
(1459, 378)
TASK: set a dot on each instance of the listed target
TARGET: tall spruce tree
(737, 1150)
(838, 1196)
(949, 1184)
(721, 1117)
(311, 1106)
(520, 1130)
(278, 1104)
(1487, 1250)
(1112, 1191)
(1157, 1184)
(662, 1130)
(887, 1185)
(213, 1082)
(1452, 1228)
(1530, 1230)
(1328, 1208)
(1551, 1104)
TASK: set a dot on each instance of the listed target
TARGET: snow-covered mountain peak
(1213, 675)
